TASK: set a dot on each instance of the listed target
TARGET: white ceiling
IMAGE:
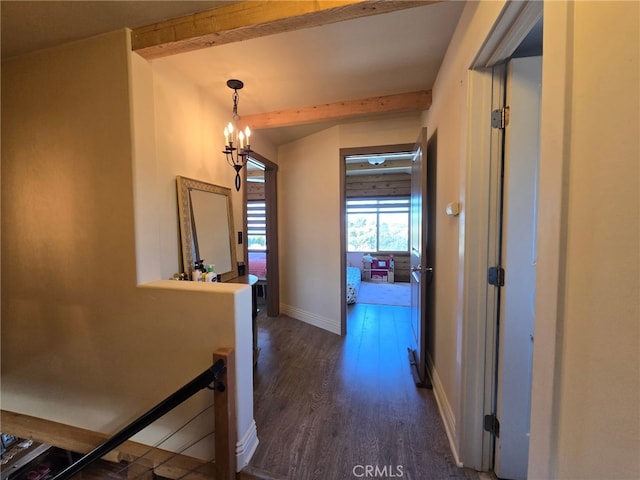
(367, 57)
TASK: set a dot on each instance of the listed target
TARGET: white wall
(185, 122)
(188, 129)
(309, 216)
(308, 200)
(585, 413)
(448, 117)
(77, 332)
(585, 417)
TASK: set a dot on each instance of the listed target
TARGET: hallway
(329, 407)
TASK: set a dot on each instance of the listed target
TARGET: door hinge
(500, 117)
(495, 276)
(492, 425)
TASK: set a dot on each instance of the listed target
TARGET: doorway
(261, 227)
(481, 311)
(374, 222)
(429, 310)
(517, 259)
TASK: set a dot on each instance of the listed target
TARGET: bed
(354, 278)
(258, 267)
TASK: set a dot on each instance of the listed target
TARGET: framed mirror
(206, 227)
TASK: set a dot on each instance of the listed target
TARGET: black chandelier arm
(238, 167)
(237, 158)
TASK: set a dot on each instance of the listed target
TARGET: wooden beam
(350, 109)
(252, 19)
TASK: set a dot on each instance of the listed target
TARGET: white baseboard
(328, 324)
(444, 407)
(246, 446)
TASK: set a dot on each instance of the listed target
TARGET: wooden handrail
(226, 435)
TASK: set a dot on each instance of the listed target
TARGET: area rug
(385, 293)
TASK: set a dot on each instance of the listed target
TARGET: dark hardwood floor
(330, 407)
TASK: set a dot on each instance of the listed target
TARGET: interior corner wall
(309, 243)
(68, 259)
(448, 117)
(309, 220)
(151, 263)
(81, 343)
(186, 143)
(173, 124)
(184, 119)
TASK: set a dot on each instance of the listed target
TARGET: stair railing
(216, 378)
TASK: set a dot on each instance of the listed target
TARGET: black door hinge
(495, 276)
(492, 425)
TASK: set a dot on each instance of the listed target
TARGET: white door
(521, 152)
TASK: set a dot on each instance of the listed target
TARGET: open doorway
(375, 219)
(489, 420)
(261, 227)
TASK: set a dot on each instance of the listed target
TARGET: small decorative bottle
(196, 275)
(198, 271)
(211, 274)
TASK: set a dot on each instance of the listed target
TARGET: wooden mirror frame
(188, 239)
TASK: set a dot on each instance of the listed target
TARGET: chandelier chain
(236, 99)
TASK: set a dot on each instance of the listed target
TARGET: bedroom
(376, 213)
(376, 217)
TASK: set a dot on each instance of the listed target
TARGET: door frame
(429, 215)
(422, 278)
(479, 307)
(518, 257)
(345, 152)
(271, 214)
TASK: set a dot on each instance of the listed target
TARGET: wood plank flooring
(330, 407)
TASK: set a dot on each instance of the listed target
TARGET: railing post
(225, 417)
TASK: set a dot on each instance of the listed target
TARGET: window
(378, 224)
(256, 225)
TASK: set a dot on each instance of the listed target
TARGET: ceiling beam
(351, 109)
(252, 19)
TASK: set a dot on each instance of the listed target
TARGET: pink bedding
(258, 264)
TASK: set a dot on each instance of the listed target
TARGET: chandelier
(236, 148)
